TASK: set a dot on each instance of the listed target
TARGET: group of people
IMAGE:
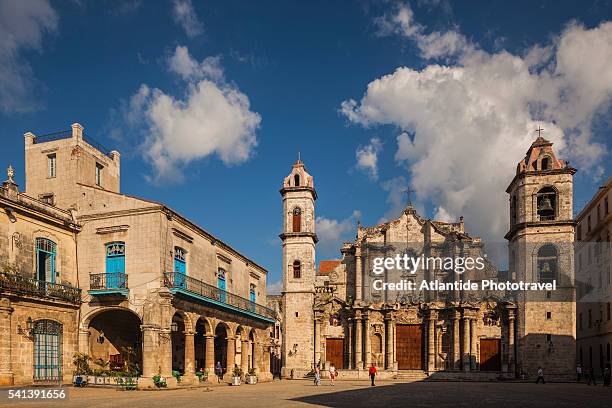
(589, 374)
(333, 373)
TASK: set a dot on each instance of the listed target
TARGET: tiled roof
(325, 267)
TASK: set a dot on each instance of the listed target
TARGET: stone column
(231, 353)
(389, 343)
(257, 353)
(6, 372)
(244, 356)
(456, 353)
(358, 337)
(150, 350)
(431, 341)
(209, 356)
(317, 340)
(84, 341)
(165, 353)
(511, 349)
(351, 355)
(189, 355)
(466, 344)
(368, 341)
(473, 342)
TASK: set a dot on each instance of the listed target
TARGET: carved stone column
(456, 362)
(189, 355)
(165, 353)
(244, 356)
(368, 342)
(351, 355)
(358, 337)
(257, 352)
(465, 349)
(389, 342)
(150, 350)
(511, 346)
(209, 355)
(473, 342)
(317, 340)
(6, 372)
(431, 341)
(231, 353)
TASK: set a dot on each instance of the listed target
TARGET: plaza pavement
(349, 394)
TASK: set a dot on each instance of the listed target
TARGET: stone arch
(86, 320)
(186, 318)
(224, 326)
(206, 324)
(242, 332)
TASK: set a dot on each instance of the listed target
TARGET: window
(545, 164)
(47, 359)
(115, 265)
(546, 203)
(252, 296)
(579, 232)
(297, 219)
(548, 315)
(297, 269)
(180, 268)
(52, 165)
(46, 251)
(296, 180)
(514, 210)
(47, 198)
(547, 263)
(549, 337)
(221, 276)
(99, 169)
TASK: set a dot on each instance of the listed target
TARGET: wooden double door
(409, 347)
(334, 352)
(490, 355)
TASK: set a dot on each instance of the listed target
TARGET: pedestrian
(540, 376)
(606, 376)
(332, 374)
(578, 372)
(317, 379)
(372, 374)
(591, 377)
(219, 371)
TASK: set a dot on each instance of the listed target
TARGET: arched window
(296, 180)
(46, 251)
(545, 163)
(297, 269)
(547, 204)
(547, 263)
(47, 336)
(297, 219)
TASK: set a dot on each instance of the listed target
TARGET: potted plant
(236, 376)
(177, 375)
(159, 381)
(202, 375)
(81, 368)
(252, 376)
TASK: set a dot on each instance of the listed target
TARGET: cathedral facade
(340, 315)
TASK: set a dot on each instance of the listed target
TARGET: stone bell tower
(541, 250)
(299, 240)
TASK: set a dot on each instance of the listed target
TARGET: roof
(326, 267)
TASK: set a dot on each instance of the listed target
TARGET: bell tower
(540, 249)
(298, 240)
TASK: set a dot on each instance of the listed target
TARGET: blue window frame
(221, 276)
(47, 361)
(252, 296)
(115, 265)
(180, 267)
(46, 251)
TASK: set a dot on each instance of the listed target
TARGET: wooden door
(409, 347)
(490, 356)
(334, 352)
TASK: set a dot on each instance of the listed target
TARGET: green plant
(81, 363)
(176, 375)
(252, 372)
(237, 372)
(202, 375)
(159, 381)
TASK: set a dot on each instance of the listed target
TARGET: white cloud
(332, 233)
(214, 118)
(367, 157)
(184, 14)
(274, 288)
(466, 125)
(23, 24)
(182, 64)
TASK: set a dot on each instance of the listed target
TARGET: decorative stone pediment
(408, 316)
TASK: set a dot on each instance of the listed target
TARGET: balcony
(115, 283)
(31, 287)
(179, 283)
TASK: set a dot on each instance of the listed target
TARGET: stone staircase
(411, 375)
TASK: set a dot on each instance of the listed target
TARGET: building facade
(594, 325)
(339, 316)
(158, 293)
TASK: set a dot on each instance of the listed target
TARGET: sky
(209, 103)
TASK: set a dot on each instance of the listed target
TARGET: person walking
(540, 376)
(219, 371)
(317, 379)
(372, 374)
(578, 372)
(332, 374)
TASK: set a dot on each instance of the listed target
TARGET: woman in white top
(332, 374)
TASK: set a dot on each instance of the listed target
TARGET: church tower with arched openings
(540, 249)
(299, 271)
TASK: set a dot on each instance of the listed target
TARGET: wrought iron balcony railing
(108, 281)
(23, 285)
(178, 280)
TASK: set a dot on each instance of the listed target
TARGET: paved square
(348, 394)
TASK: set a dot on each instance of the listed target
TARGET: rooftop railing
(33, 287)
(66, 134)
(178, 280)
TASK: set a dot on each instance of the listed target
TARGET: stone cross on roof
(10, 172)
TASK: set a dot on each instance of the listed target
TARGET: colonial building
(158, 293)
(338, 315)
(593, 231)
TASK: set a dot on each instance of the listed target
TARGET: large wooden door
(334, 352)
(409, 346)
(490, 356)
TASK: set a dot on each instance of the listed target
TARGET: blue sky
(152, 79)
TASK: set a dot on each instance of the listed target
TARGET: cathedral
(338, 314)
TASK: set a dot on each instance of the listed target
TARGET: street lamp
(174, 327)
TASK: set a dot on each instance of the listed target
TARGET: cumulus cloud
(184, 15)
(23, 24)
(214, 118)
(332, 233)
(464, 126)
(367, 158)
